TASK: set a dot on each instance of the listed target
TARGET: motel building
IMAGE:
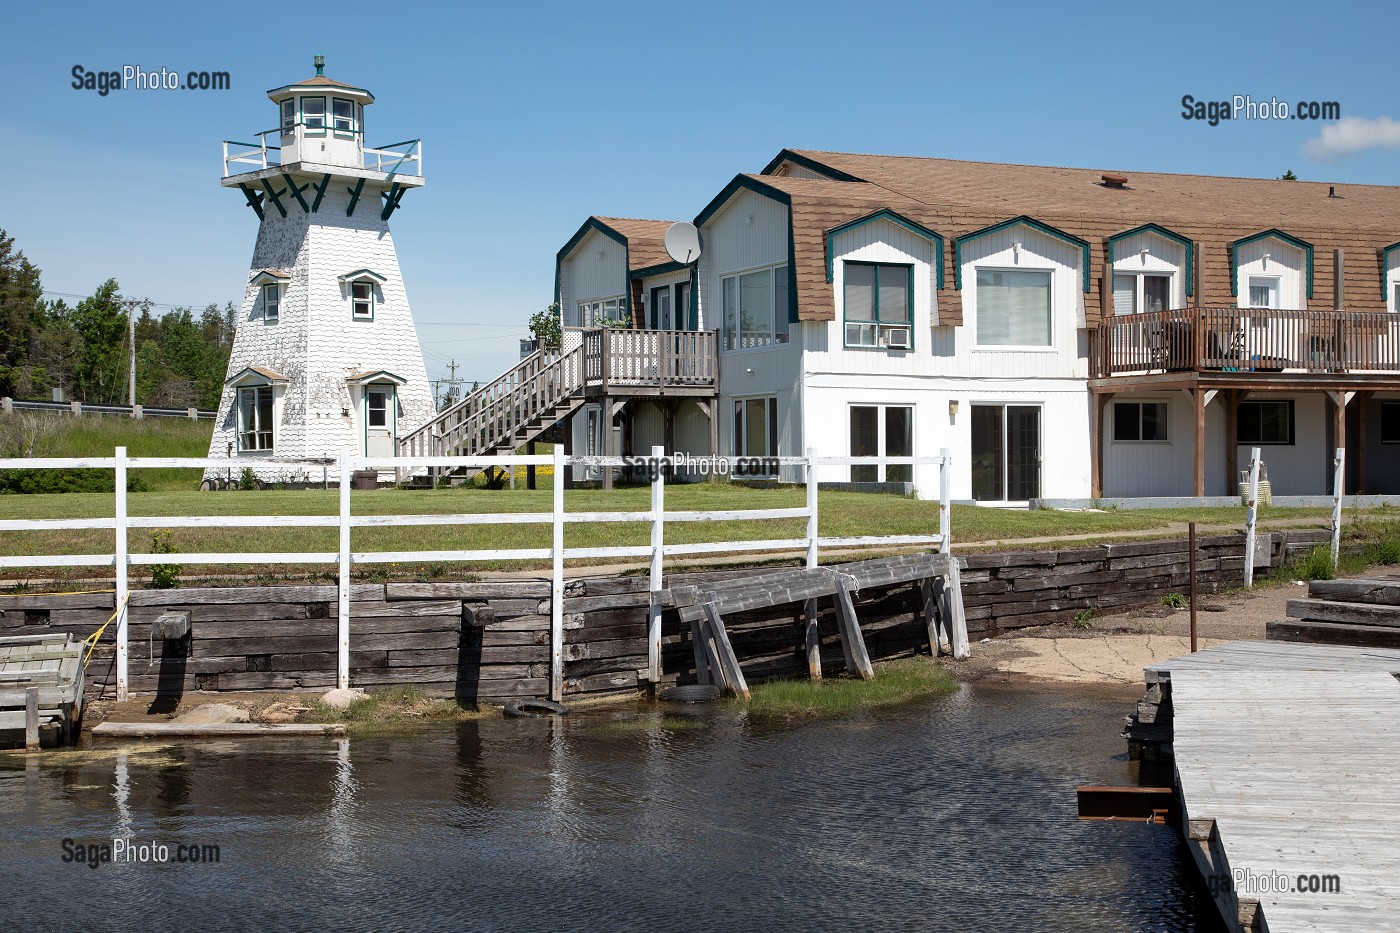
(1067, 334)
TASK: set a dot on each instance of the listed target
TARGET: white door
(381, 411)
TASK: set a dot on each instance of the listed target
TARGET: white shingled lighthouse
(326, 355)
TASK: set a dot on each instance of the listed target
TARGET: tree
(1288, 176)
(546, 326)
(100, 321)
(21, 306)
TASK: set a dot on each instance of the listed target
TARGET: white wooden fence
(656, 550)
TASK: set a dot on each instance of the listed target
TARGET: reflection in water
(951, 814)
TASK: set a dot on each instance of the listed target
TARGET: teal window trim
(772, 270)
(354, 315)
(894, 218)
(1165, 234)
(1033, 224)
(354, 124)
(908, 321)
(391, 411)
(275, 305)
(745, 183)
(287, 115)
(1385, 271)
(308, 129)
(1274, 234)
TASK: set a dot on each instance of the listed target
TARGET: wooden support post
(933, 618)
(857, 658)
(714, 435)
(1097, 404)
(697, 644)
(530, 468)
(1232, 433)
(957, 617)
(609, 443)
(811, 614)
(31, 718)
(1198, 284)
(1339, 472)
(1339, 429)
(1363, 405)
(1198, 484)
(726, 657)
(1339, 279)
(568, 477)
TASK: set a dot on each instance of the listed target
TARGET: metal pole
(945, 511)
(1251, 517)
(343, 612)
(1338, 484)
(658, 539)
(556, 588)
(1191, 576)
(119, 479)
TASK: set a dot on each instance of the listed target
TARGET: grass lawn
(840, 514)
(100, 435)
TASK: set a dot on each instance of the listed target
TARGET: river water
(955, 813)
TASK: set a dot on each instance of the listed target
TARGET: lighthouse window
(255, 418)
(289, 114)
(362, 301)
(343, 114)
(313, 112)
(272, 303)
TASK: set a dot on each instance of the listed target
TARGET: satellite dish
(683, 242)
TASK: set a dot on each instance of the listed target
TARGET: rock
(341, 699)
(214, 713)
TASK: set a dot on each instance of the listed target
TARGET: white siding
(584, 275)
(1286, 262)
(1392, 278)
(1162, 255)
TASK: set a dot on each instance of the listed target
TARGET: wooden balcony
(618, 362)
(1233, 345)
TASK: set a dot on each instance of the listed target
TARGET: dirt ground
(1114, 649)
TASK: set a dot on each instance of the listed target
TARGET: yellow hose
(91, 640)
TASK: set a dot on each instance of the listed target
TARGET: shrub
(163, 576)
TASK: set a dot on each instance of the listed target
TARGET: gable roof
(643, 241)
(957, 198)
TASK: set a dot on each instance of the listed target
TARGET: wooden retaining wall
(490, 641)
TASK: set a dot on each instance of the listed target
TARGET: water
(955, 813)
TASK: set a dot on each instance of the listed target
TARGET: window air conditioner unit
(897, 337)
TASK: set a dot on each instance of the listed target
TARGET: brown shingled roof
(956, 198)
(646, 244)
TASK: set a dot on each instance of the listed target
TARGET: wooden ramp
(41, 685)
(1288, 768)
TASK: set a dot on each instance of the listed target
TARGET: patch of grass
(895, 682)
(1084, 618)
(100, 435)
(1175, 601)
(396, 706)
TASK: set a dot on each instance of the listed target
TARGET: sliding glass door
(1005, 453)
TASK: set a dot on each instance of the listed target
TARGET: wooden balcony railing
(641, 359)
(1247, 340)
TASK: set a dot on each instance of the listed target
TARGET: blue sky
(535, 115)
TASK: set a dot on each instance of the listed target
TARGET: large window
(1013, 308)
(272, 303)
(1265, 422)
(1139, 421)
(755, 307)
(343, 116)
(882, 431)
(1390, 422)
(313, 113)
(1134, 293)
(756, 427)
(879, 303)
(594, 313)
(255, 425)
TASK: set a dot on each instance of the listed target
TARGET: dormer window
(343, 116)
(362, 301)
(313, 113)
(272, 303)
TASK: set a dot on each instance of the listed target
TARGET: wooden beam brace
(354, 197)
(697, 644)
(275, 197)
(254, 199)
(725, 651)
(857, 658)
(812, 639)
(391, 201)
(296, 191)
(1210, 396)
(937, 635)
(320, 192)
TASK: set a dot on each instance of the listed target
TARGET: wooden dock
(1288, 768)
(41, 685)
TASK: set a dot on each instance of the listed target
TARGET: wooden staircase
(503, 415)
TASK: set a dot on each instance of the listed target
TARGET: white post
(556, 588)
(1251, 516)
(810, 472)
(945, 511)
(1338, 484)
(342, 664)
(119, 479)
(658, 539)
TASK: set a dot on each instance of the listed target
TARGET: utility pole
(131, 350)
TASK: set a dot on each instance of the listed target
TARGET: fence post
(1338, 484)
(813, 633)
(122, 591)
(556, 587)
(658, 539)
(342, 664)
(945, 537)
(1251, 516)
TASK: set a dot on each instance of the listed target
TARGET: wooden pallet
(704, 607)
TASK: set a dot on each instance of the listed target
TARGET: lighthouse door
(381, 410)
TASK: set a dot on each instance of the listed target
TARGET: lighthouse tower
(325, 355)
